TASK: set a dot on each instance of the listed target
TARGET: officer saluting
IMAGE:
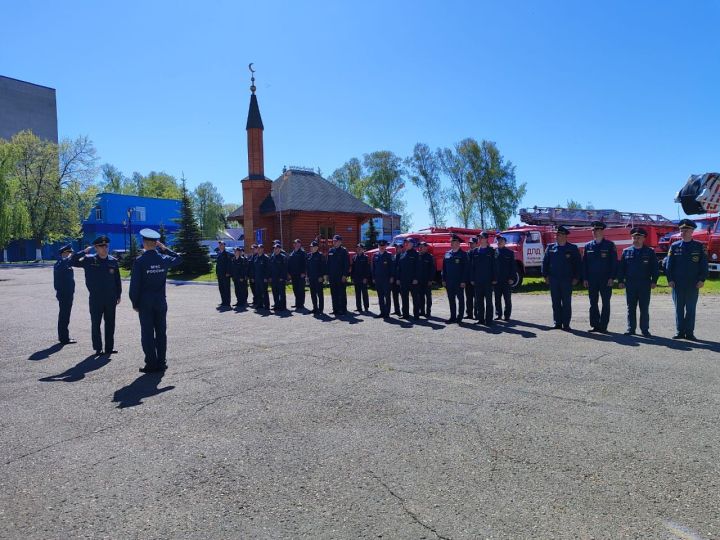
(147, 294)
(599, 269)
(638, 273)
(561, 268)
(686, 270)
(64, 282)
(102, 278)
(316, 271)
(454, 275)
(382, 273)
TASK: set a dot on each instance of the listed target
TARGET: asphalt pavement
(292, 426)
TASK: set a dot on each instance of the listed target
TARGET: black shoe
(679, 336)
(557, 327)
(148, 369)
(449, 321)
(506, 319)
(293, 306)
(567, 328)
(629, 333)
(691, 337)
(98, 352)
(416, 318)
(593, 329)
(498, 318)
(603, 331)
(108, 353)
(646, 333)
(68, 342)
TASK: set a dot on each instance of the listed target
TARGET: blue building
(121, 216)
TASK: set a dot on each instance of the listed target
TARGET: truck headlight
(714, 257)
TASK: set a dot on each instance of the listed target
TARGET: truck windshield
(513, 237)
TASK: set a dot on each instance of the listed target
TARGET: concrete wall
(25, 105)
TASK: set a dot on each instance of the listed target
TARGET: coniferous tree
(132, 254)
(371, 235)
(163, 233)
(187, 240)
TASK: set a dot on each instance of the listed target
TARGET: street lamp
(129, 220)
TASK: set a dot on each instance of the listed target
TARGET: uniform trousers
(599, 288)
(65, 302)
(561, 295)
(483, 301)
(685, 299)
(153, 334)
(101, 308)
(638, 295)
(456, 298)
(298, 285)
(503, 293)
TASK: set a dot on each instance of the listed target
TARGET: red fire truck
(529, 240)
(707, 233)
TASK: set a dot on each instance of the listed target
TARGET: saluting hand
(87, 249)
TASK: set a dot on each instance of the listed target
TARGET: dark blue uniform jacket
(102, 276)
(149, 272)
(562, 262)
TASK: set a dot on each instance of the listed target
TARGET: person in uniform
(360, 274)
(396, 272)
(338, 266)
(483, 277)
(426, 277)
(408, 277)
(261, 275)
(223, 271)
(562, 269)
(638, 273)
(251, 272)
(599, 270)
(147, 295)
(102, 278)
(686, 269)
(316, 271)
(240, 276)
(382, 274)
(506, 273)
(469, 287)
(278, 276)
(64, 282)
(454, 275)
(297, 268)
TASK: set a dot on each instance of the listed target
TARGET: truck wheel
(517, 281)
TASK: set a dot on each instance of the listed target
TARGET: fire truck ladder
(579, 217)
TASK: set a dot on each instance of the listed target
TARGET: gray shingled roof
(308, 191)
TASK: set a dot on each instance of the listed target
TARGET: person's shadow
(145, 386)
(45, 353)
(78, 371)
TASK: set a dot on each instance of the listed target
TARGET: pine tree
(132, 254)
(187, 240)
(371, 235)
(163, 233)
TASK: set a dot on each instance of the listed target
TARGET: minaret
(255, 187)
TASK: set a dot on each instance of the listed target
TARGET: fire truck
(530, 239)
(707, 233)
(438, 239)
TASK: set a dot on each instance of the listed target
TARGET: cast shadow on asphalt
(46, 353)
(637, 340)
(503, 328)
(78, 371)
(145, 386)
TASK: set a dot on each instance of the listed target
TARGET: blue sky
(613, 102)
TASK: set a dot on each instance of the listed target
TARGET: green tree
(163, 233)
(384, 181)
(425, 169)
(454, 166)
(494, 189)
(155, 184)
(208, 207)
(114, 181)
(227, 209)
(350, 177)
(187, 240)
(371, 235)
(44, 171)
(129, 258)
(13, 218)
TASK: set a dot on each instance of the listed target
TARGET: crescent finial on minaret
(252, 77)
